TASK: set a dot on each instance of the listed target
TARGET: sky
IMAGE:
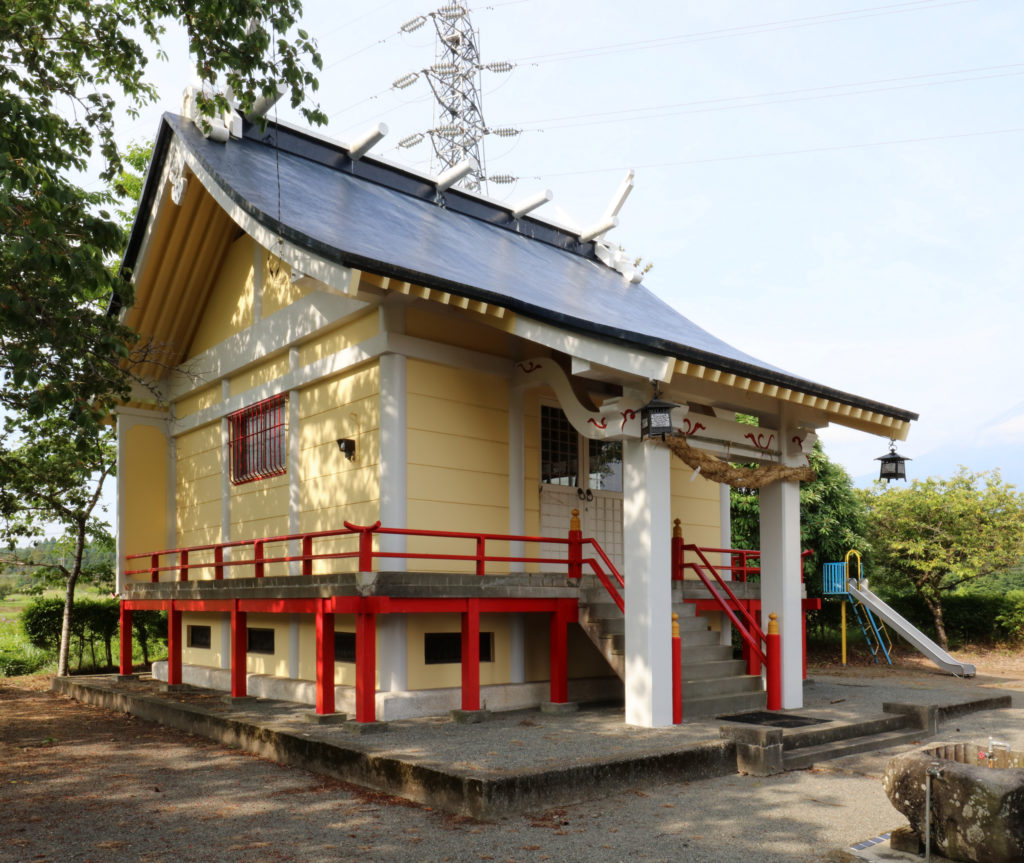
(833, 186)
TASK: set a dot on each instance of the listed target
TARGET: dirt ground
(79, 783)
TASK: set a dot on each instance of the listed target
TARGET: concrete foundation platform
(517, 760)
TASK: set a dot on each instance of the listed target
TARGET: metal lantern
(656, 419)
(894, 465)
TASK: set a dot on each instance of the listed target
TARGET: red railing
(183, 562)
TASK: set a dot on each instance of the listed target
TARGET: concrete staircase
(713, 682)
(762, 750)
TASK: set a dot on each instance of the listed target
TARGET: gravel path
(82, 784)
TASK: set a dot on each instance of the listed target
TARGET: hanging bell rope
(713, 468)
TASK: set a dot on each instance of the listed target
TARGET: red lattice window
(259, 440)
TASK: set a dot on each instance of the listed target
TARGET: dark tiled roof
(376, 217)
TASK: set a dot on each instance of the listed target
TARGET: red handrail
(365, 553)
(751, 633)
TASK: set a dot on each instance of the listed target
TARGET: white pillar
(780, 574)
(725, 541)
(392, 660)
(646, 510)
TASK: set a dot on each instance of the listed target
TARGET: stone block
(559, 708)
(924, 716)
(977, 813)
(906, 840)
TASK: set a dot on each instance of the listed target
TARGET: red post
(575, 546)
(365, 550)
(559, 646)
(258, 558)
(218, 562)
(471, 656)
(480, 553)
(183, 565)
(803, 636)
(307, 555)
(677, 670)
(324, 659)
(173, 645)
(126, 640)
(366, 666)
(239, 652)
(154, 565)
(677, 551)
(774, 657)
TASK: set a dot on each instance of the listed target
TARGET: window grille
(259, 440)
(199, 636)
(559, 443)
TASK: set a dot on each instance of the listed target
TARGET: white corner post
(780, 572)
(646, 510)
(392, 662)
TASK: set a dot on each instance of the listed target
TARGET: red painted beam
(239, 652)
(559, 647)
(173, 646)
(126, 640)
(280, 606)
(204, 604)
(471, 656)
(366, 667)
(325, 660)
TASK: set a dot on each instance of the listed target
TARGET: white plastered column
(392, 659)
(780, 571)
(647, 534)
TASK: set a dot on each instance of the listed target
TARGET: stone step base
(799, 759)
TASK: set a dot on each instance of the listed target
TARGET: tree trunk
(69, 600)
(935, 607)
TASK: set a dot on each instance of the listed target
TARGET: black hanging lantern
(894, 465)
(656, 418)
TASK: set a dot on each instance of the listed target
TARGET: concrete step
(698, 638)
(807, 756)
(819, 735)
(710, 652)
(709, 686)
(719, 668)
(716, 705)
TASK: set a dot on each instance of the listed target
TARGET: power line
(744, 30)
(776, 153)
(776, 97)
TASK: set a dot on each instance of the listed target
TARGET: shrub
(42, 620)
(1010, 618)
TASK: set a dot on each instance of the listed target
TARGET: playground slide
(911, 633)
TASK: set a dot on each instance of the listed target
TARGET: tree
(56, 475)
(832, 514)
(64, 67)
(65, 359)
(939, 535)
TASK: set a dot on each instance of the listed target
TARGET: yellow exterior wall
(457, 446)
(197, 401)
(348, 334)
(263, 373)
(437, 323)
(144, 486)
(423, 676)
(212, 657)
(198, 487)
(333, 489)
(229, 308)
(275, 664)
(696, 504)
